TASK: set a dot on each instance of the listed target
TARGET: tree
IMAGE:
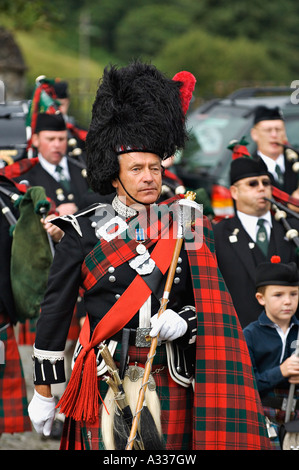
(145, 30)
(215, 60)
(26, 15)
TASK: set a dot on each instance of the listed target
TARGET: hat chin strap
(136, 200)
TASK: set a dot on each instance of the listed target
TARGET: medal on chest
(140, 238)
(142, 263)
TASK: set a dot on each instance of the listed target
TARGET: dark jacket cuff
(188, 313)
(48, 367)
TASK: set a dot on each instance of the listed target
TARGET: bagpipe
(292, 156)
(280, 214)
(45, 100)
(280, 200)
(6, 211)
(283, 200)
(31, 247)
(15, 190)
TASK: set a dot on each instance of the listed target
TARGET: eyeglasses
(255, 183)
(270, 130)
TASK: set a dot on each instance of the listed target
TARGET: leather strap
(124, 351)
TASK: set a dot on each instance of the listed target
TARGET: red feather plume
(187, 88)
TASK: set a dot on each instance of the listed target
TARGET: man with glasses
(251, 236)
(269, 134)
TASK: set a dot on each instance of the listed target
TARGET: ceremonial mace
(189, 202)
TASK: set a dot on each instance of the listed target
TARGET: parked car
(13, 137)
(205, 161)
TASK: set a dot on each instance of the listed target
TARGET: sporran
(131, 387)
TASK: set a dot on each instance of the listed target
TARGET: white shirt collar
(51, 169)
(283, 337)
(271, 164)
(249, 223)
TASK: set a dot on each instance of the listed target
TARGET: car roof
(244, 101)
(13, 135)
(253, 97)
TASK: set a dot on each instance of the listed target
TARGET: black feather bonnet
(136, 108)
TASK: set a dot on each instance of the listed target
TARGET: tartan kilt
(26, 336)
(176, 409)
(13, 398)
(27, 331)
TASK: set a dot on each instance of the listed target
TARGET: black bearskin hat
(136, 108)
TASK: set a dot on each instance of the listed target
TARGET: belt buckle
(284, 404)
(143, 339)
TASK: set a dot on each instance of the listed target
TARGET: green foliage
(217, 62)
(26, 15)
(222, 43)
(150, 28)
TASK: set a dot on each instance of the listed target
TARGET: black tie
(262, 237)
(62, 179)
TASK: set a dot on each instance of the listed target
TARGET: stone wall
(12, 67)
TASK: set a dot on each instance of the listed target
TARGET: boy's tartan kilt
(176, 409)
(13, 399)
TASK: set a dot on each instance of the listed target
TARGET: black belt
(276, 403)
(130, 336)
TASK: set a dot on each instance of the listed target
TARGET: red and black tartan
(13, 399)
(27, 330)
(284, 197)
(227, 412)
(19, 167)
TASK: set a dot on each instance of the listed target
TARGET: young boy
(271, 339)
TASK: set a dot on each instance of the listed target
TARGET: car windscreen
(210, 134)
(292, 130)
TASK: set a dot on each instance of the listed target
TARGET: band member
(269, 134)
(62, 179)
(275, 362)
(138, 120)
(241, 244)
(13, 398)
(74, 131)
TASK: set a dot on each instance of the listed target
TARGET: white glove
(42, 412)
(169, 325)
